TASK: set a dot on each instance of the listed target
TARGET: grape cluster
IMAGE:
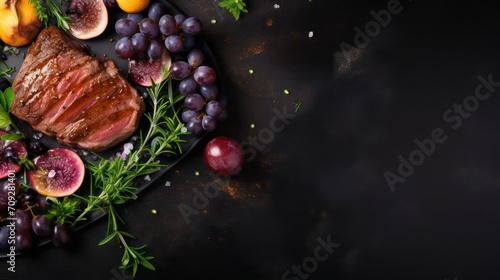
(146, 37)
(22, 219)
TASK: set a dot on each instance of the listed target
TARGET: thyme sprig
(49, 10)
(112, 180)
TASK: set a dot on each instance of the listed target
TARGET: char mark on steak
(81, 100)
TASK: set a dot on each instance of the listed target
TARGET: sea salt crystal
(184, 129)
(311, 34)
(168, 184)
(147, 178)
(276, 6)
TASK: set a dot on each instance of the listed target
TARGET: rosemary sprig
(49, 11)
(112, 180)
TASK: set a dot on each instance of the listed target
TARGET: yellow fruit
(133, 6)
(20, 24)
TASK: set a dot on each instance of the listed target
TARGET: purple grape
(23, 221)
(61, 235)
(123, 48)
(187, 86)
(204, 75)
(4, 238)
(195, 58)
(126, 27)
(194, 126)
(191, 26)
(29, 195)
(180, 70)
(208, 123)
(188, 115)
(149, 27)
(41, 226)
(137, 17)
(139, 42)
(194, 102)
(214, 108)
(155, 49)
(209, 92)
(167, 25)
(156, 11)
(9, 189)
(188, 41)
(174, 43)
(179, 19)
(23, 241)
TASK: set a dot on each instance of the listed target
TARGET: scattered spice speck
(197, 173)
(213, 21)
(252, 125)
(153, 211)
(286, 91)
(250, 71)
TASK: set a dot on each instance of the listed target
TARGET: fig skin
(142, 71)
(18, 149)
(19, 23)
(89, 18)
(57, 173)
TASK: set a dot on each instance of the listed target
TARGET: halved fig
(10, 153)
(57, 173)
(89, 18)
(142, 70)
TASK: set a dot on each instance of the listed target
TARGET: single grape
(156, 11)
(194, 126)
(214, 108)
(23, 221)
(224, 156)
(189, 41)
(137, 17)
(167, 25)
(29, 195)
(191, 26)
(188, 115)
(9, 190)
(41, 202)
(179, 19)
(139, 42)
(208, 123)
(4, 83)
(209, 92)
(23, 241)
(123, 48)
(126, 27)
(195, 58)
(41, 226)
(36, 147)
(187, 86)
(149, 27)
(4, 238)
(61, 235)
(204, 75)
(180, 70)
(194, 102)
(174, 43)
(155, 49)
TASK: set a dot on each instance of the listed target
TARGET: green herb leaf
(11, 137)
(235, 7)
(4, 118)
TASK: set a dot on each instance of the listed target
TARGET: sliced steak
(81, 100)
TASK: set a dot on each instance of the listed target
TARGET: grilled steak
(81, 100)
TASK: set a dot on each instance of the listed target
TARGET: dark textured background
(323, 175)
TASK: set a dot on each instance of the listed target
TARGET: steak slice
(81, 100)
